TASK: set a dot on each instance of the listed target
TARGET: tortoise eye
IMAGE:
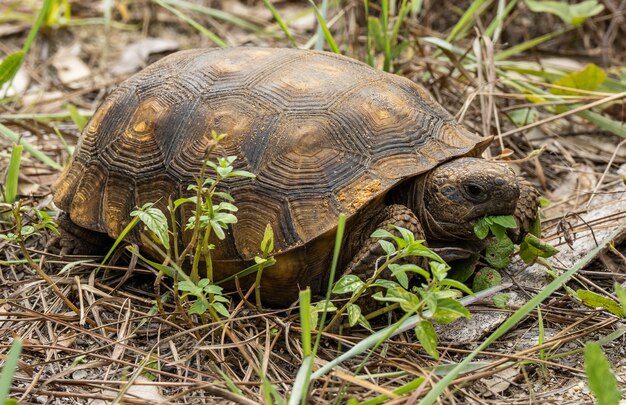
(475, 192)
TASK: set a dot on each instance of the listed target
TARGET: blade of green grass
(215, 13)
(329, 37)
(319, 43)
(303, 378)
(204, 31)
(281, 23)
(518, 316)
(10, 364)
(11, 181)
(524, 46)
(466, 19)
(370, 54)
(30, 148)
(41, 16)
(496, 24)
(404, 389)
(43, 12)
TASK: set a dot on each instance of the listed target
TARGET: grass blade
(204, 31)
(43, 12)
(518, 316)
(215, 13)
(329, 37)
(301, 383)
(10, 184)
(303, 378)
(602, 381)
(10, 364)
(281, 23)
(319, 44)
(30, 148)
(466, 19)
(524, 46)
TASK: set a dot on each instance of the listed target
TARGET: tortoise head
(459, 192)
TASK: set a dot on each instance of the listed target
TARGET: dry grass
(117, 346)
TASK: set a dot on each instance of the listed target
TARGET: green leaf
(189, 286)
(400, 275)
(481, 228)
(354, 314)
(602, 381)
(387, 246)
(225, 206)
(224, 196)
(224, 218)
(588, 79)
(413, 268)
(381, 282)
(267, 244)
(203, 283)
(505, 221)
(212, 289)
(224, 171)
(593, 300)
(498, 254)
(199, 307)
(219, 231)
(532, 247)
(242, 173)
(449, 310)
(486, 278)
(347, 284)
(456, 284)
(572, 14)
(439, 270)
(407, 235)
(156, 222)
(382, 233)
(221, 309)
(10, 65)
(425, 332)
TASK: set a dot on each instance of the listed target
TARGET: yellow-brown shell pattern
(323, 133)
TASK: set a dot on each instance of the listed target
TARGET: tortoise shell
(323, 133)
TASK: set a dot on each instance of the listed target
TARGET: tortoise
(324, 134)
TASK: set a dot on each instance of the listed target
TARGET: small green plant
(434, 300)
(212, 212)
